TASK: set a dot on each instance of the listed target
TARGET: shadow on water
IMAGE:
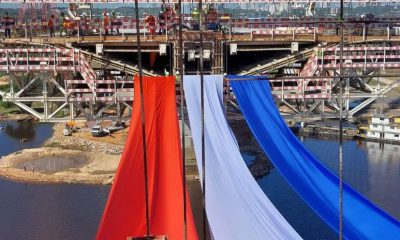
(20, 130)
(35, 134)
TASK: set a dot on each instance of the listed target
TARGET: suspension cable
(203, 159)
(146, 187)
(341, 124)
(181, 72)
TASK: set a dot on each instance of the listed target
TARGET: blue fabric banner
(317, 185)
(236, 206)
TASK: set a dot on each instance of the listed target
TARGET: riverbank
(98, 160)
(56, 161)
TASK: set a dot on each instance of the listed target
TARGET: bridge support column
(45, 100)
(71, 111)
(364, 33)
(12, 93)
(118, 110)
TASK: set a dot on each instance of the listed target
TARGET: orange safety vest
(105, 21)
(150, 20)
(50, 23)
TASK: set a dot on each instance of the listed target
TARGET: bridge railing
(364, 57)
(302, 88)
(38, 59)
(260, 26)
(197, 1)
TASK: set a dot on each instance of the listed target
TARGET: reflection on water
(384, 175)
(371, 168)
(51, 164)
(50, 211)
(10, 137)
(20, 130)
(64, 212)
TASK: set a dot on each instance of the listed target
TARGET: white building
(384, 128)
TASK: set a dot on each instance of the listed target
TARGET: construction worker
(50, 25)
(169, 17)
(161, 22)
(62, 24)
(106, 21)
(163, 6)
(150, 20)
(83, 25)
(114, 22)
(7, 22)
(195, 19)
(211, 18)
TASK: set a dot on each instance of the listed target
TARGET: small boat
(2, 127)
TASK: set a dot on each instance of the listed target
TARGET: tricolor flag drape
(124, 214)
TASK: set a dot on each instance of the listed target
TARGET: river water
(371, 168)
(62, 211)
(45, 211)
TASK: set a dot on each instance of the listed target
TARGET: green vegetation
(7, 108)
(53, 144)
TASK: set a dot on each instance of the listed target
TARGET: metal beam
(26, 87)
(57, 110)
(372, 99)
(29, 110)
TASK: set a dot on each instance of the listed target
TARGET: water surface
(45, 211)
(371, 168)
(65, 212)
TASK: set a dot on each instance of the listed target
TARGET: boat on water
(381, 128)
(295, 126)
(2, 127)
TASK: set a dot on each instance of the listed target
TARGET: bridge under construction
(89, 72)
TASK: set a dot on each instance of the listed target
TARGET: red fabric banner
(125, 214)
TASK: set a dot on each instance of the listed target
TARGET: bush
(5, 104)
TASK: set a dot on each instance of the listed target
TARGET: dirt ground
(99, 169)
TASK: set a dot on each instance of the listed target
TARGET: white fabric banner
(236, 206)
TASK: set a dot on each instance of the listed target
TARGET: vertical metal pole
(45, 100)
(227, 81)
(181, 73)
(26, 30)
(143, 119)
(79, 30)
(203, 163)
(341, 125)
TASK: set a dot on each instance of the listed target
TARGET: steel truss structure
(316, 89)
(59, 84)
